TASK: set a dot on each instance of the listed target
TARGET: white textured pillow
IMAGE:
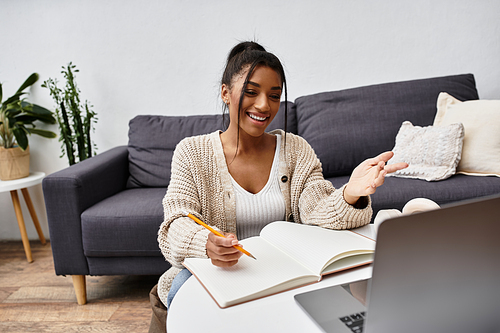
(432, 152)
(481, 120)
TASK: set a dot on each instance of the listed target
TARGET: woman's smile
(257, 117)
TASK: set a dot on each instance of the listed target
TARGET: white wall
(166, 56)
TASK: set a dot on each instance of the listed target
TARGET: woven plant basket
(14, 163)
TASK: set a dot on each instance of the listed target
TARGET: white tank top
(255, 211)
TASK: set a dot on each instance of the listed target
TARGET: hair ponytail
(244, 46)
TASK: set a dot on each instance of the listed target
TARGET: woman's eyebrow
(258, 85)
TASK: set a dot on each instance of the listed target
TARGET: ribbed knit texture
(201, 184)
(255, 211)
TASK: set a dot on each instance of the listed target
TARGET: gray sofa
(104, 213)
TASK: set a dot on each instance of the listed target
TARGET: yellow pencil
(200, 222)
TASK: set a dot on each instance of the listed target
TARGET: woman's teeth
(256, 117)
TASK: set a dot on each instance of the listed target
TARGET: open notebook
(288, 255)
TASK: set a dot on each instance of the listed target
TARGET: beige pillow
(432, 152)
(481, 120)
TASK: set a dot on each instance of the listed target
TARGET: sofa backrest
(153, 138)
(348, 126)
(344, 127)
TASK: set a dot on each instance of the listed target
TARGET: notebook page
(249, 277)
(311, 245)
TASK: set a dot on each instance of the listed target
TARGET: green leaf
(21, 137)
(29, 82)
(25, 119)
(48, 119)
(43, 113)
(44, 133)
(14, 98)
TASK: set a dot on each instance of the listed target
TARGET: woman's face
(261, 100)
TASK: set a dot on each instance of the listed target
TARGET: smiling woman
(249, 150)
(244, 178)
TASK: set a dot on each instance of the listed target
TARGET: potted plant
(76, 119)
(17, 118)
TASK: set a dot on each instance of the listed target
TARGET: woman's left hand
(369, 175)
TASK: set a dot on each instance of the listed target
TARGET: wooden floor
(34, 299)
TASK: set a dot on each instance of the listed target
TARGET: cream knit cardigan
(200, 183)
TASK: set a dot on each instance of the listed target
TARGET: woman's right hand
(221, 250)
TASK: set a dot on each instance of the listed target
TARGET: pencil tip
(253, 257)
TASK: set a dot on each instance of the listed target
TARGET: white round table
(193, 310)
(22, 184)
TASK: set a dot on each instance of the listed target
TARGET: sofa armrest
(71, 191)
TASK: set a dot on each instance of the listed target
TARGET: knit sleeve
(317, 202)
(180, 237)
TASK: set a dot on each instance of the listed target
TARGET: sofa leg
(80, 288)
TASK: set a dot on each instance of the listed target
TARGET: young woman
(243, 178)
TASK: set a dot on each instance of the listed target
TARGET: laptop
(436, 271)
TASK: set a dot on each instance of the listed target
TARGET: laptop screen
(435, 271)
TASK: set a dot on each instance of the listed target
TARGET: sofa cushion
(396, 192)
(124, 225)
(432, 152)
(153, 138)
(481, 120)
(348, 126)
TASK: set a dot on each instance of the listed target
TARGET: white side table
(22, 184)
